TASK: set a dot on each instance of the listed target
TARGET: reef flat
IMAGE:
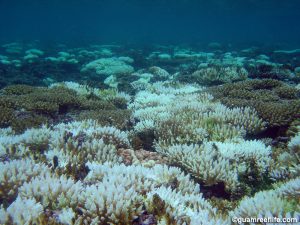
(166, 135)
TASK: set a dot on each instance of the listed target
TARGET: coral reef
(163, 135)
(275, 102)
(110, 66)
(26, 106)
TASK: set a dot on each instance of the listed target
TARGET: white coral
(14, 173)
(53, 192)
(181, 207)
(204, 162)
(108, 66)
(22, 211)
(245, 151)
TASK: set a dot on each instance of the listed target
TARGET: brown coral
(141, 156)
(24, 106)
(276, 103)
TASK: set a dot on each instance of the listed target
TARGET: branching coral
(274, 101)
(179, 208)
(22, 211)
(279, 202)
(219, 75)
(26, 106)
(109, 66)
(52, 192)
(197, 118)
(204, 162)
(15, 173)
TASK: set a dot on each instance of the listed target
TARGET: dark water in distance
(152, 21)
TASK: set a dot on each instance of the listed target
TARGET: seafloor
(111, 134)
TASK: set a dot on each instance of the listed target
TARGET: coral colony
(173, 136)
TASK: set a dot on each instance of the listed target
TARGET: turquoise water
(181, 21)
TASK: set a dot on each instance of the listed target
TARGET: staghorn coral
(66, 147)
(22, 211)
(279, 202)
(52, 192)
(15, 173)
(197, 118)
(118, 118)
(217, 75)
(109, 66)
(179, 208)
(25, 106)
(204, 162)
(113, 193)
(274, 101)
(116, 192)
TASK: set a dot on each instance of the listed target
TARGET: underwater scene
(139, 112)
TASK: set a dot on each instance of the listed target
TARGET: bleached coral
(73, 154)
(14, 173)
(265, 204)
(66, 216)
(67, 145)
(179, 116)
(108, 66)
(117, 192)
(204, 162)
(142, 178)
(294, 143)
(111, 202)
(214, 162)
(245, 151)
(290, 189)
(78, 88)
(52, 192)
(279, 202)
(85, 90)
(63, 57)
(88, 130)
(22, 211)
(179, 208)
(32, 55)
(19, 145)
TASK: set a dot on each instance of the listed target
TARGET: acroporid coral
(110, 202)
(34, 139)
(52, 192)
(279, 202)
(22, 211)
(215, 162)
(219, 75)
(76, 154)
(197, 118)
(275, 102)
(66, 146)
(294, 143)
(181, 208)
(290, 189)
(143, 179)
(245, 151)
(85, 90)
(26, 107)
(15, 173)
(128, 186)
(66, 216)
(204, 162)
(109, 66)
(88, 130)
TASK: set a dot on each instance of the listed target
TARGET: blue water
(152, 21)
